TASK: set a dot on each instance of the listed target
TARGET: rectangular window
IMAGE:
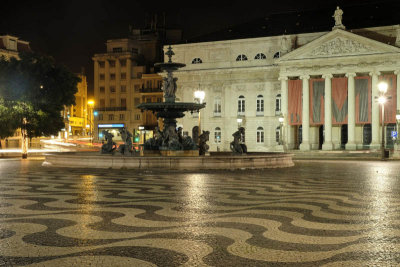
(123, 88)
(112, 76)
(122, 62)
(137, 87)
(102, 64)
(121, 117)
(123, 102)
(110, 117)
(260, 105)
(137, 117)
(148, 84)
(241, 106)
(102, 77)
(217, 137)
(111, 63)
(102, 89)
(260, 136)
(148, 100)
(123, 76)
(159, 99)
(100, 117)
(112, 102)
(117, 49)
(217, 107)
(102, 103)
(112, 89)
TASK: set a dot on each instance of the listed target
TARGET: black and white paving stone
(338, 213)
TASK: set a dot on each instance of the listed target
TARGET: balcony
(111, 109)
(150, 90)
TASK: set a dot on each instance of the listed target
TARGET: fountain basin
(214, 162)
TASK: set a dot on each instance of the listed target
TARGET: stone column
(375, 111)
(285, 112)
(328, 145)
(305, 144)
(397, 72)
(351, 122)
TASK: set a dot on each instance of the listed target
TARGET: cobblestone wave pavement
(322, 213)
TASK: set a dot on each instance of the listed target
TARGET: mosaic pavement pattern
(314, 214)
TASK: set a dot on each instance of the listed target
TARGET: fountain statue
(203, 147)
(237, 145)
(109, 146)
(170, 139)
(126, 147)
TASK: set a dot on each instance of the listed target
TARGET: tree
(33, 91)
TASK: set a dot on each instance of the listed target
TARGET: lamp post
(200, 96)
(91, 105)
(280, 130)
(382, 86)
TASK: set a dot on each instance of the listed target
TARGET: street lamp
(91, 105)
(280, 130)
(200, 96)
(382, 86)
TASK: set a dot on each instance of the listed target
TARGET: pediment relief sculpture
(340, 46)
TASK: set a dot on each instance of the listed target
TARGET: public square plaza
(317, 213)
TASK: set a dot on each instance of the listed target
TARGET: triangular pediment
(339, 43)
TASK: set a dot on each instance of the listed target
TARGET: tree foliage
(34, 88)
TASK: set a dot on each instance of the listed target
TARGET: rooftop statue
(338, 19)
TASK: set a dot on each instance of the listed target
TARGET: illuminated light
(200, 95)
(41, 87)
(87, 126)
(116, 125)
(280, 119)
(100, 135)
(95, 113)
(141, 127)
(397, 116)
(137, 139)
(90, 102)
(382, 86)
(239, 120)
(382, 100)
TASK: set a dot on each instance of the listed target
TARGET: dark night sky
(73, 31)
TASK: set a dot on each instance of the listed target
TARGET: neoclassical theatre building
(322, 85)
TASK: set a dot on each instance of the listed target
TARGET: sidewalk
(337, 155)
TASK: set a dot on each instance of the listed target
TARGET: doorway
(343, 136)
(367, 137)
(389, 140)
(321, 137)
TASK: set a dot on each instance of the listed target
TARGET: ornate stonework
(340, 46)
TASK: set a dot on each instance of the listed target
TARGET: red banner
(363, 86)
(294, 102)
(339, 101)
(317, 103)
(390, 105)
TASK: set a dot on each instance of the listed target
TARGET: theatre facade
(303, 91)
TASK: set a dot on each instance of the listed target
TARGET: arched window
(260, 135)
(217, 135)
(241, 58)
(241, 105)
(277, 55)
(278, 134)
(278, 102)
(260, 56)
(260, 105)
(197, 61)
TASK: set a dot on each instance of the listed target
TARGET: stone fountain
(168, 149)
(170, 141)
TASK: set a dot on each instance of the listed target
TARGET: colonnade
(351, 127)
